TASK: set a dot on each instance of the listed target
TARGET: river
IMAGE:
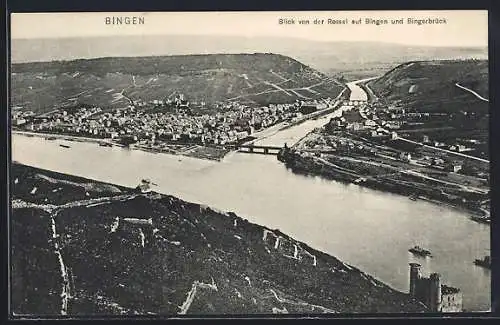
(369, 229)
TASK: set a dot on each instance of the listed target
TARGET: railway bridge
(258, 149)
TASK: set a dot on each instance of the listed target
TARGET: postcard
(249, 163)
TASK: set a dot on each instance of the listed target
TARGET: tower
(414, 277)
(435, 292)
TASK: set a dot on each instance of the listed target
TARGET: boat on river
(485, 262)
(105, 144)
(64, 146)
(417, 250)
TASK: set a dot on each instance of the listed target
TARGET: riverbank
(180, 257)
(193, 151)
(317, 164)
(188, 150)
(54, 136)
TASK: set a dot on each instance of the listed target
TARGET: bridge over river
(260, 149)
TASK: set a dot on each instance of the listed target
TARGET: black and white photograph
(249, 163)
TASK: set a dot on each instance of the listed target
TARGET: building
(405, 156)
(370, 123)
(436, 296)
(19, 121)
(356, 126)
(393, 125)
(310, 107)
(455, 167)
(139, 221)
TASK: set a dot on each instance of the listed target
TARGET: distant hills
(254, 79)
(353, 58)
(295, 66)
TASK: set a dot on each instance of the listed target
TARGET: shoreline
(65, 137)
(114, 144)
(189, 154)
(303, 166)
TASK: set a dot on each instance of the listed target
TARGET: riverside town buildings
(164, 120)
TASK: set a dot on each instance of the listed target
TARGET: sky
(462, 27)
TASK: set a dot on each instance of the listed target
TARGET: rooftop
(448, 290)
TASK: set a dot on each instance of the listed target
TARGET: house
(462, 148)
(356, 126)
(378, 133)
(370, 123)
(19, 121)
(455, 167)
(405, 156)
(393, 124)
(242, 135)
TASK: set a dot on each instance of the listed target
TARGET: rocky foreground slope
(81, 247)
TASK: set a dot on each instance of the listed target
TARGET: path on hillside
(278, 87)
(54, 210)
(287, 91)
(472, 92)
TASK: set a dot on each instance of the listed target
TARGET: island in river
(82, 247)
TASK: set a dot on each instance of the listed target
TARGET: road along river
(369, 229)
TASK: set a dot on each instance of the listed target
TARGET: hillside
(445, 91)
(354, 59)
(435, 79)
(80, 247)
(254, 79)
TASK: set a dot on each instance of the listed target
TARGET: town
(167, 125)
